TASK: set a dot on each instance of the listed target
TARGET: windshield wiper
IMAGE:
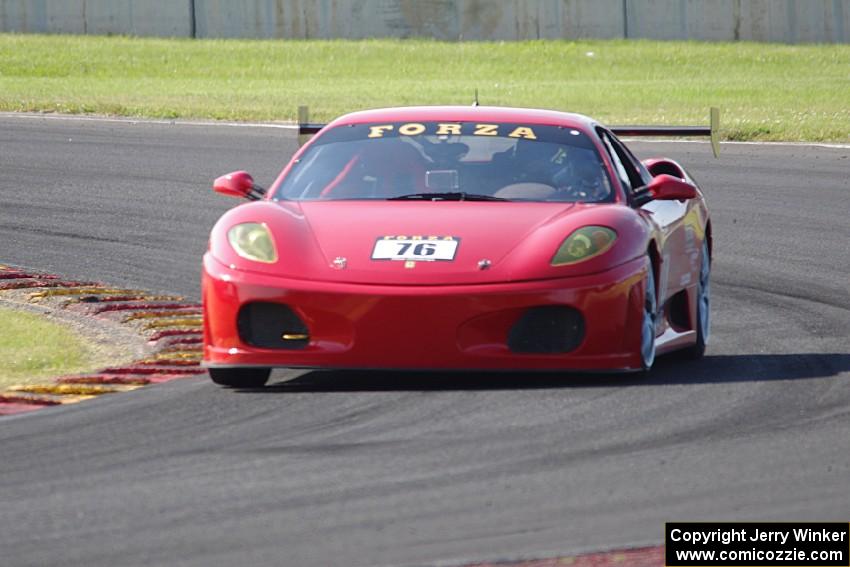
(455, 196)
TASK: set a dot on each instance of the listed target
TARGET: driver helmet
(580, 175)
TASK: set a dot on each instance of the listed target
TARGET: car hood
(485, 236)
(335, 241)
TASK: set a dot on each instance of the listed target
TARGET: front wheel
(240, 377)
(650, 313)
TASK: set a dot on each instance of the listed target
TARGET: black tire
(650, 315)
(240, 377)
(703, 317)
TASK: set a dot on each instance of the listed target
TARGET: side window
(631, 172)
(615, 159)
(626, 155)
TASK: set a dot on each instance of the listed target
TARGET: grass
(765, 91)
(33, 349)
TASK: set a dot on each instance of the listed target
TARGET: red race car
(462, 238)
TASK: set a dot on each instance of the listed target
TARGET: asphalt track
(360, 469)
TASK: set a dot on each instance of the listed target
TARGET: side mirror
(238, 184)
(666, 188)
(657, 166)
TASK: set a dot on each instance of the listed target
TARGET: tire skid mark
(636, 557)
(169, 323)
(822, 296)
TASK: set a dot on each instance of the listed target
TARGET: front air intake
(554, 329)
(271, 325)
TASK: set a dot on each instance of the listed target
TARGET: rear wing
(307, 129)
(712, 130)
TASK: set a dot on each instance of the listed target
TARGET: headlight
(253, 241)
(583, 244)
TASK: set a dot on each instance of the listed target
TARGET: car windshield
(449, 161)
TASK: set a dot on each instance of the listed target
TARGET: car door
(675, 241)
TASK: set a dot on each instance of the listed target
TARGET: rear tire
(703, 318)
(240, 377)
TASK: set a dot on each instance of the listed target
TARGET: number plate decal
(417, 248)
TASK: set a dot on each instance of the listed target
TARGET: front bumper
(458, 327)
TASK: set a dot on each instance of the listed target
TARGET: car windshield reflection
(449, 161)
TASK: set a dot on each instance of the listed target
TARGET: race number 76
(421, 249)
(415, 249)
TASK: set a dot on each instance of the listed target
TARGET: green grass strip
(765, 91)
(33, 348)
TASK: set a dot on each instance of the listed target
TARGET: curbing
(635, 557)
(169, 324)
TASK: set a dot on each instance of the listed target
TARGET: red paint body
(452, 314)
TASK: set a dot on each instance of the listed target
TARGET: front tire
(650, 314)
(240, 377)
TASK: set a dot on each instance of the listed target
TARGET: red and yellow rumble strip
(639, 557)
(171, 324)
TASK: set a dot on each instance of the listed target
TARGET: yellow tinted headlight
(583, 244)
(253, 241)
